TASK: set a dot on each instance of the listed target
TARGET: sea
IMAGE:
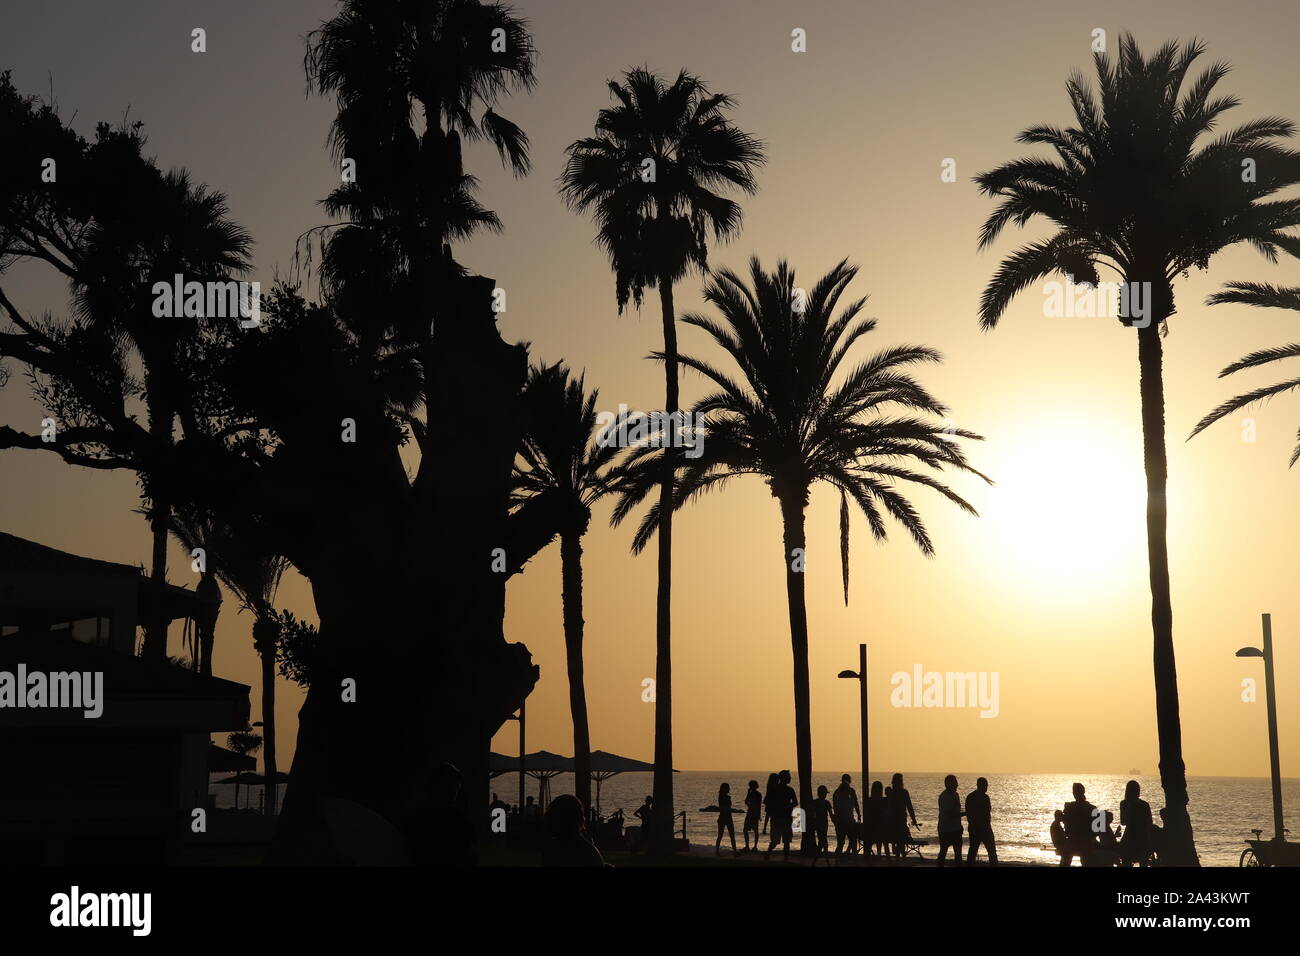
(1224, 809)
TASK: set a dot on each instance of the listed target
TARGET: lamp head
(852, 674)
(1250, 652)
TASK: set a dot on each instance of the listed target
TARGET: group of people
(1081, 830)
(880, 825)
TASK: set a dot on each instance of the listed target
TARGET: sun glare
(1068, 513)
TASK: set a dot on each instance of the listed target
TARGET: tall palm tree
(562, 461)
(1131, 189)
(413, 80)
(649, 176)
(1268, 296)
(254, 578)
(447, 62)
(785, 421)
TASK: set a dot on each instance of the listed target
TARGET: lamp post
(861, 675)
(1270, 693)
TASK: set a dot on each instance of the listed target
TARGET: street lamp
(1274, 764)
(861, 676)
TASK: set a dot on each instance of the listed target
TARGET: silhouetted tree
(244, 743)
(784, 421)
(299, 647)
(294, 433)
(254, 578)
(649, 176)
(1267, 296)
(1131, 189)
(562, 461)
(111, 224)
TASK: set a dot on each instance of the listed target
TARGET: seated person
(1058, 837)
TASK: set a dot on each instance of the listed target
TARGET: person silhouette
(444, 834)
(1081, 838)
(979, 822)
(753, 810)
(564, 839)
(902, 809)
(1107, 853)
(769, 797)
(950, 815)
(781, 812)
(1059, 842)
(1135, 817)
(724, 820)
(874, 816)
(645, 813)
(846, 810)
(821, 821)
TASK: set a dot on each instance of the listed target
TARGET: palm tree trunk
(571, 556)
(661, 841)
(269, 766)
(155, 628)
(792, 521)
(1180, 848)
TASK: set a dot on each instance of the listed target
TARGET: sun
(1068, 514)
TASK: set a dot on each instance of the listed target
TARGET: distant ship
(1138, 772)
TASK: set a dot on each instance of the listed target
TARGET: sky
(1047, 588)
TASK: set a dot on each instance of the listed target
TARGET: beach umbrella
(605, 765)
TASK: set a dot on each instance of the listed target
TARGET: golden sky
(1047, 588)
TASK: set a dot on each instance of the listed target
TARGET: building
(121, 786)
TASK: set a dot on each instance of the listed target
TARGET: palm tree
(187, 231)
(242, 742)
(412, 80)
(254, 578)
(1252, 293)
(785, 422)
(447, 62)
(1131, 189)
(649, 175)
(561, 462)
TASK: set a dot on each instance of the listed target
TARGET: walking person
(769, 797)
(753, 810)
(724, 820)
(820, 822)
(950, 815)
(780, 809)
(900, 835)
(875, 814)
(1135, 817)
(979, 822)
(1080, 837)
(846, 811)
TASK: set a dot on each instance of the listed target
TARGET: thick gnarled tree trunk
(411, 621)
